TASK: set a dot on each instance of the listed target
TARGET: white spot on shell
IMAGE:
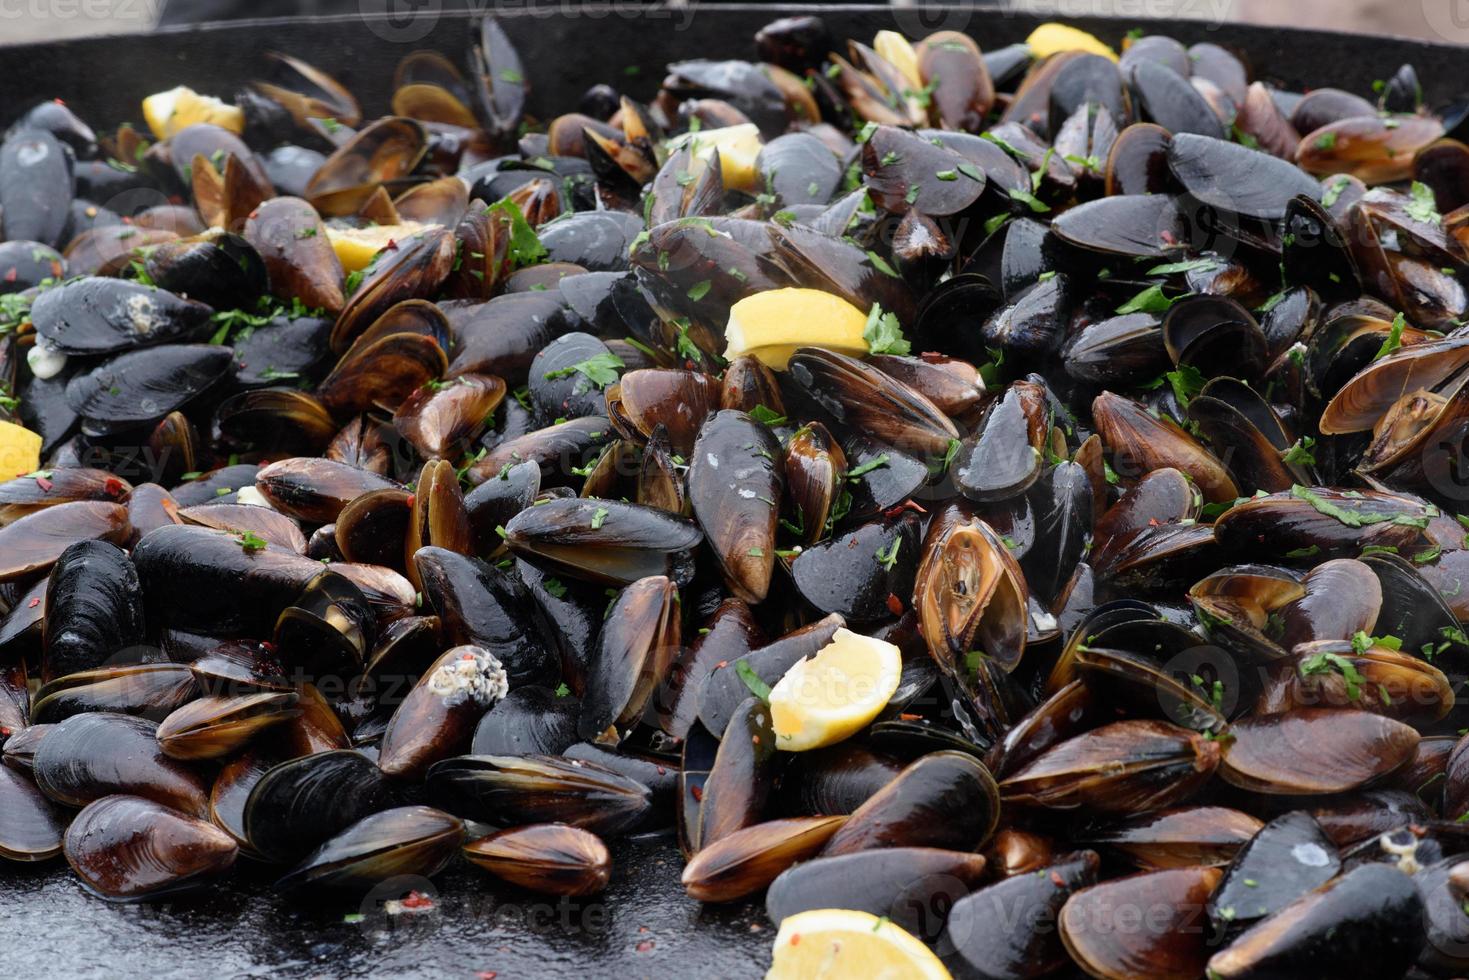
(713, 461)
(469, 674)
(142, 312)
(1311, 855)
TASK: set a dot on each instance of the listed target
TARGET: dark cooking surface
(644, 926)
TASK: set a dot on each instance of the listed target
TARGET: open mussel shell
(31, 826)
(301, 803)
(127, 848)
(748, 860)
(1173, 945)
(1280, 754)
(1006, 929)
(408, 840)
(150, 690)
(1286, 858)
(1126, 767)
(89, 756)
(437, 718)
(515, 790)
(328, 627)
(212, 727)
(1366, 923)
(602, 541)
(910, 885)
(554, 859)
(969, 594)
(944, 799)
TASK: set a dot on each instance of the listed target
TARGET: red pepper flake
(1167, 236)
(646, 946)
(44, 483)
(254, 214)
(697, 793)
(417, 900)
(895, 605)
(175, 199)
(268, 646)
(411, 498)
(1057, 880)
(112, 487)
(755, 739)
(795, 939)
(1154, 522)
(905, 716)
(892, 512)
(391, 244)
(34, 603)
(721, 665)
(6, 731)
(487, 975)
(58, 102)
(662, 771)
(55, 265)
(12, 275)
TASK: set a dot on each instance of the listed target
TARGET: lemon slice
(842, 944)
(738, 147)
(355, 247)
(896, 51)
(835, 693)
(168, 112)
(20, 451)
(772, 324)
(1050, 38)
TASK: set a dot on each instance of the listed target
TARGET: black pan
(644, 926)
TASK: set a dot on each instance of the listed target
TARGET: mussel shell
(853, 574)
(301, 803)
(89, 756)
(1195, 835)
(1366, 923)
(636, 650)
(515, 790)
(1005, 929)
(34, 543)
(734, 487)
(528, 721)
(600, 540)
(481, 605)
(1288, 857)
(408, 840)
(215, 726)
(144, 385)
(151, 690)
(106, 316)
(551, 858)
(1279, 754)
(126, 848)
(31, 826)
(748, 860)
(913, 886)
(1174, 944)
(945, 800)
(94, 608)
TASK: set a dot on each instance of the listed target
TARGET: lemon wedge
(835, 693)
(738, 147)
(827, 944)
(1050, 38)
(896, 51)
(772, 324)
(168, 112)
(20, 451)
(355, 247)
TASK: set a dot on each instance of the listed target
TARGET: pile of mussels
(1150, 463)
